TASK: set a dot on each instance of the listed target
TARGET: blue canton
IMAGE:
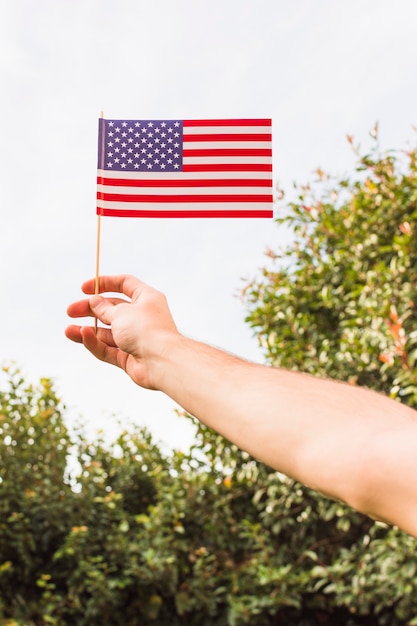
(143, 146)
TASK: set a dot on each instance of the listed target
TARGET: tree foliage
(342, 301)
(119, 533)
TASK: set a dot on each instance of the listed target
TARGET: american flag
(185, 168)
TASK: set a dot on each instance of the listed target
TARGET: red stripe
(211, 182)
(115, 197)
(229, 137)
(228, 152)
(227, 167)
(241, 122)
(163, 214)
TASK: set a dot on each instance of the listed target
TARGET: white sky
(319, 69)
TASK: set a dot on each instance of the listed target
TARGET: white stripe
(175, 191)
(215, 145)
(210, 130)
(197, 160)
(185, 206)
(182, 175)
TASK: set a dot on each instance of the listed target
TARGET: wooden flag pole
(96, 283)
(97, 279)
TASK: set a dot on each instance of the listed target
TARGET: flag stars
(143, 145)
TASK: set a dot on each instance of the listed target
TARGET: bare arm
(347, 442)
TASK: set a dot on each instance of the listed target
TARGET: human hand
(138, 329)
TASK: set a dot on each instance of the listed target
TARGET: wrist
(165, 361)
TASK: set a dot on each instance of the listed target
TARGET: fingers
(100, 344)
(82, 308)
(123, 283)
(101, 308)
(102, 350)
(77, 333)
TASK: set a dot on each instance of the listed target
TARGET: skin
(347, 442)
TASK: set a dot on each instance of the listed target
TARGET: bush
(210, 537)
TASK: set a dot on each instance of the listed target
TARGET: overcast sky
(320, 69)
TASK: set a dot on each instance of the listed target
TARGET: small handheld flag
(185, 168)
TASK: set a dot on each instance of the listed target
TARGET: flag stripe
(184, 182)
(238, 122)
(211, 145)
(227, 167)
(227, 152)
(237, 160)
(225, 130)
(185, 175)
(173, 198)
(234, 137)
(205, 191)
(203, 213)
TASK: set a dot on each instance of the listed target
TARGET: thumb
(101, 308)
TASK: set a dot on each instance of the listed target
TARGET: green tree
(35, 497)
(341, 300)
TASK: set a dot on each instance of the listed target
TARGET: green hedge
(131, 536)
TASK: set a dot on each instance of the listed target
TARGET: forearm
(324, 433)
(349, 443)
